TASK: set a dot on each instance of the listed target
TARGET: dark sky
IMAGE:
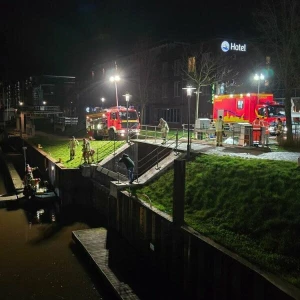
(66, 37)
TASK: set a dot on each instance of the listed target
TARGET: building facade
(214, 66)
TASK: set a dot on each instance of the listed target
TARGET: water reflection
(38, 260)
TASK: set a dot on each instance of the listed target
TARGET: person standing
(28, 174)
(264, 132)
(128, 162)
(256, 127)
(219, 126)
(73, 143)
(279, 129)
(86, 148)
(163, 125)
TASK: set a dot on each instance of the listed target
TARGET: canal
(38, 257)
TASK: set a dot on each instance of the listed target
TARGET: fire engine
(112, 122)
(245, 108)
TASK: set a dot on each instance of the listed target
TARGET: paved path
(198, 146)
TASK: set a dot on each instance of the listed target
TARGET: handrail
(153, 157)
(106, 149)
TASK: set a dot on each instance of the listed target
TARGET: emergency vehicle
(112, 122)
(245, 108)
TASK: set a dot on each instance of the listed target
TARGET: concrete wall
(69, 184)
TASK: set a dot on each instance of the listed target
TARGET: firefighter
(73, 143)
(219, 126)
(87, 152)
(28, 174)
(256, 125)
(279, 129)
(86, 147)
(264, 131)
(163, 125)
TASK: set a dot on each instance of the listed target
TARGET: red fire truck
(112, 122)
(245, 108)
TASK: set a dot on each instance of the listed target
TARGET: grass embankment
(250, 206)
(58, 149)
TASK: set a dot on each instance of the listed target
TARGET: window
(165, 69)
(177, 67)
(192, 64)
(240, 104)
(177, 88)
(171, 115)
(165, 90)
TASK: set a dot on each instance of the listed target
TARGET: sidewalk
(208, 147)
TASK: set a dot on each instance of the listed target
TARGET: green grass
(151, 133)
(58, 149)
(250, 206)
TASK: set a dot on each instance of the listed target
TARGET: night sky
(66, 37)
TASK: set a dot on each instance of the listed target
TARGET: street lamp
(115, 79)
(258, 78)
(127, 97)
(102, 100)
(189, 91)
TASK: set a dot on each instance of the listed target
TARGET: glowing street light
(258, 78)
(189, 91)
(127, 97)
(102, 100)
(115, 79)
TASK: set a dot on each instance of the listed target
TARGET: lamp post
(189, 91)
(102, 100)
(127, 97)
(115, 79)
(258, 78)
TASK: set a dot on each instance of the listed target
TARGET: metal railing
(40, 108)
(105, 150)
(153, 158)
(66, 120)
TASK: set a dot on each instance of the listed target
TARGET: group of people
(87, 151)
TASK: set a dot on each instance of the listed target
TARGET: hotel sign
(226, 46)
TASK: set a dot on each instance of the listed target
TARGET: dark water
(38, 259)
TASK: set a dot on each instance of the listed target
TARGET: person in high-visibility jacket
(256, 125)
(264, 131)
(73, 143)
(219, 126)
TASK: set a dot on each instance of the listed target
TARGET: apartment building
(156, 77)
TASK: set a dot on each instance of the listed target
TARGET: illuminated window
(192, 64)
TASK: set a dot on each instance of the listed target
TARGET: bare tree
(204, 68)
(279, 23)
(144, 74)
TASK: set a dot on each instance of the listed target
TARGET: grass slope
(250, 206)
(58, 149)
